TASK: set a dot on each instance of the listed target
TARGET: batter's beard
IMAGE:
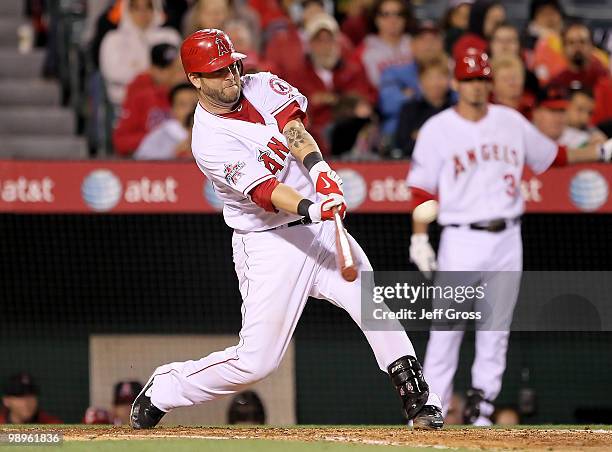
(222, 97)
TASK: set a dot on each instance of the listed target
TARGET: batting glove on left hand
(322, 210)
(422, 254)
(325, 179)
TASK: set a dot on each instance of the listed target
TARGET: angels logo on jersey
(274, 157)
(232, 172)
(221, 47)
(280, 86)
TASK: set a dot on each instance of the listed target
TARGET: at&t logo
(589, 190)
(101, 190)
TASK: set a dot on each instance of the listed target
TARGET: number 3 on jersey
(511, 185)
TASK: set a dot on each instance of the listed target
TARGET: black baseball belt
(288, 225)
(497, 225)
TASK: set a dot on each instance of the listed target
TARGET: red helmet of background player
(474, 64)
(208, 50)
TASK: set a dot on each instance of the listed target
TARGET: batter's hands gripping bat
(346, 262)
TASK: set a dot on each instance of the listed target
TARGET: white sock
(434, 400)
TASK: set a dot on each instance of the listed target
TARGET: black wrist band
(312, 159)
(302, 208)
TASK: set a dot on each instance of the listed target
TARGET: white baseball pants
(464, 249)
(277, 271)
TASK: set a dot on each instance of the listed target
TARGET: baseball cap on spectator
(19, 385)
(553, 97)
(95, 415)
(320, 22)
(126, 391)
(163, 55)
(536, 5)
(427, 26)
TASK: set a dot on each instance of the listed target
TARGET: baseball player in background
(471, 158)
(249, 140)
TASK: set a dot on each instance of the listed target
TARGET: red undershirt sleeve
(261, 194)
(419, 196)
(561, 158)
(290, 112)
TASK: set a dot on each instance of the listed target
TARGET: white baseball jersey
(240, 150)
(476, 167)
(277, 270)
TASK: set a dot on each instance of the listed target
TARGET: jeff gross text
(415, 294)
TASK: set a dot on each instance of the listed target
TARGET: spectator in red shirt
(603, 102)
(583, 69)
(20, 400)
(286, 50)
(146, 103)
(485, 16)
(355, 24)
(327, 79)
(269, 11)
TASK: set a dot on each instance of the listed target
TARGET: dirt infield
(590, 439)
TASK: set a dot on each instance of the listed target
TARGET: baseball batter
(471, 157)
(249, 140)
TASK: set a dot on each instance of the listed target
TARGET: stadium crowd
(372, 72)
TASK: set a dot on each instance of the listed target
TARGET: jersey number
(511, 185)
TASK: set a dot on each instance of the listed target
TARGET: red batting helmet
(208, 50)
(473, 64)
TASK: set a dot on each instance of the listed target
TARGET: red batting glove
(325, 179)
(322, 210)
